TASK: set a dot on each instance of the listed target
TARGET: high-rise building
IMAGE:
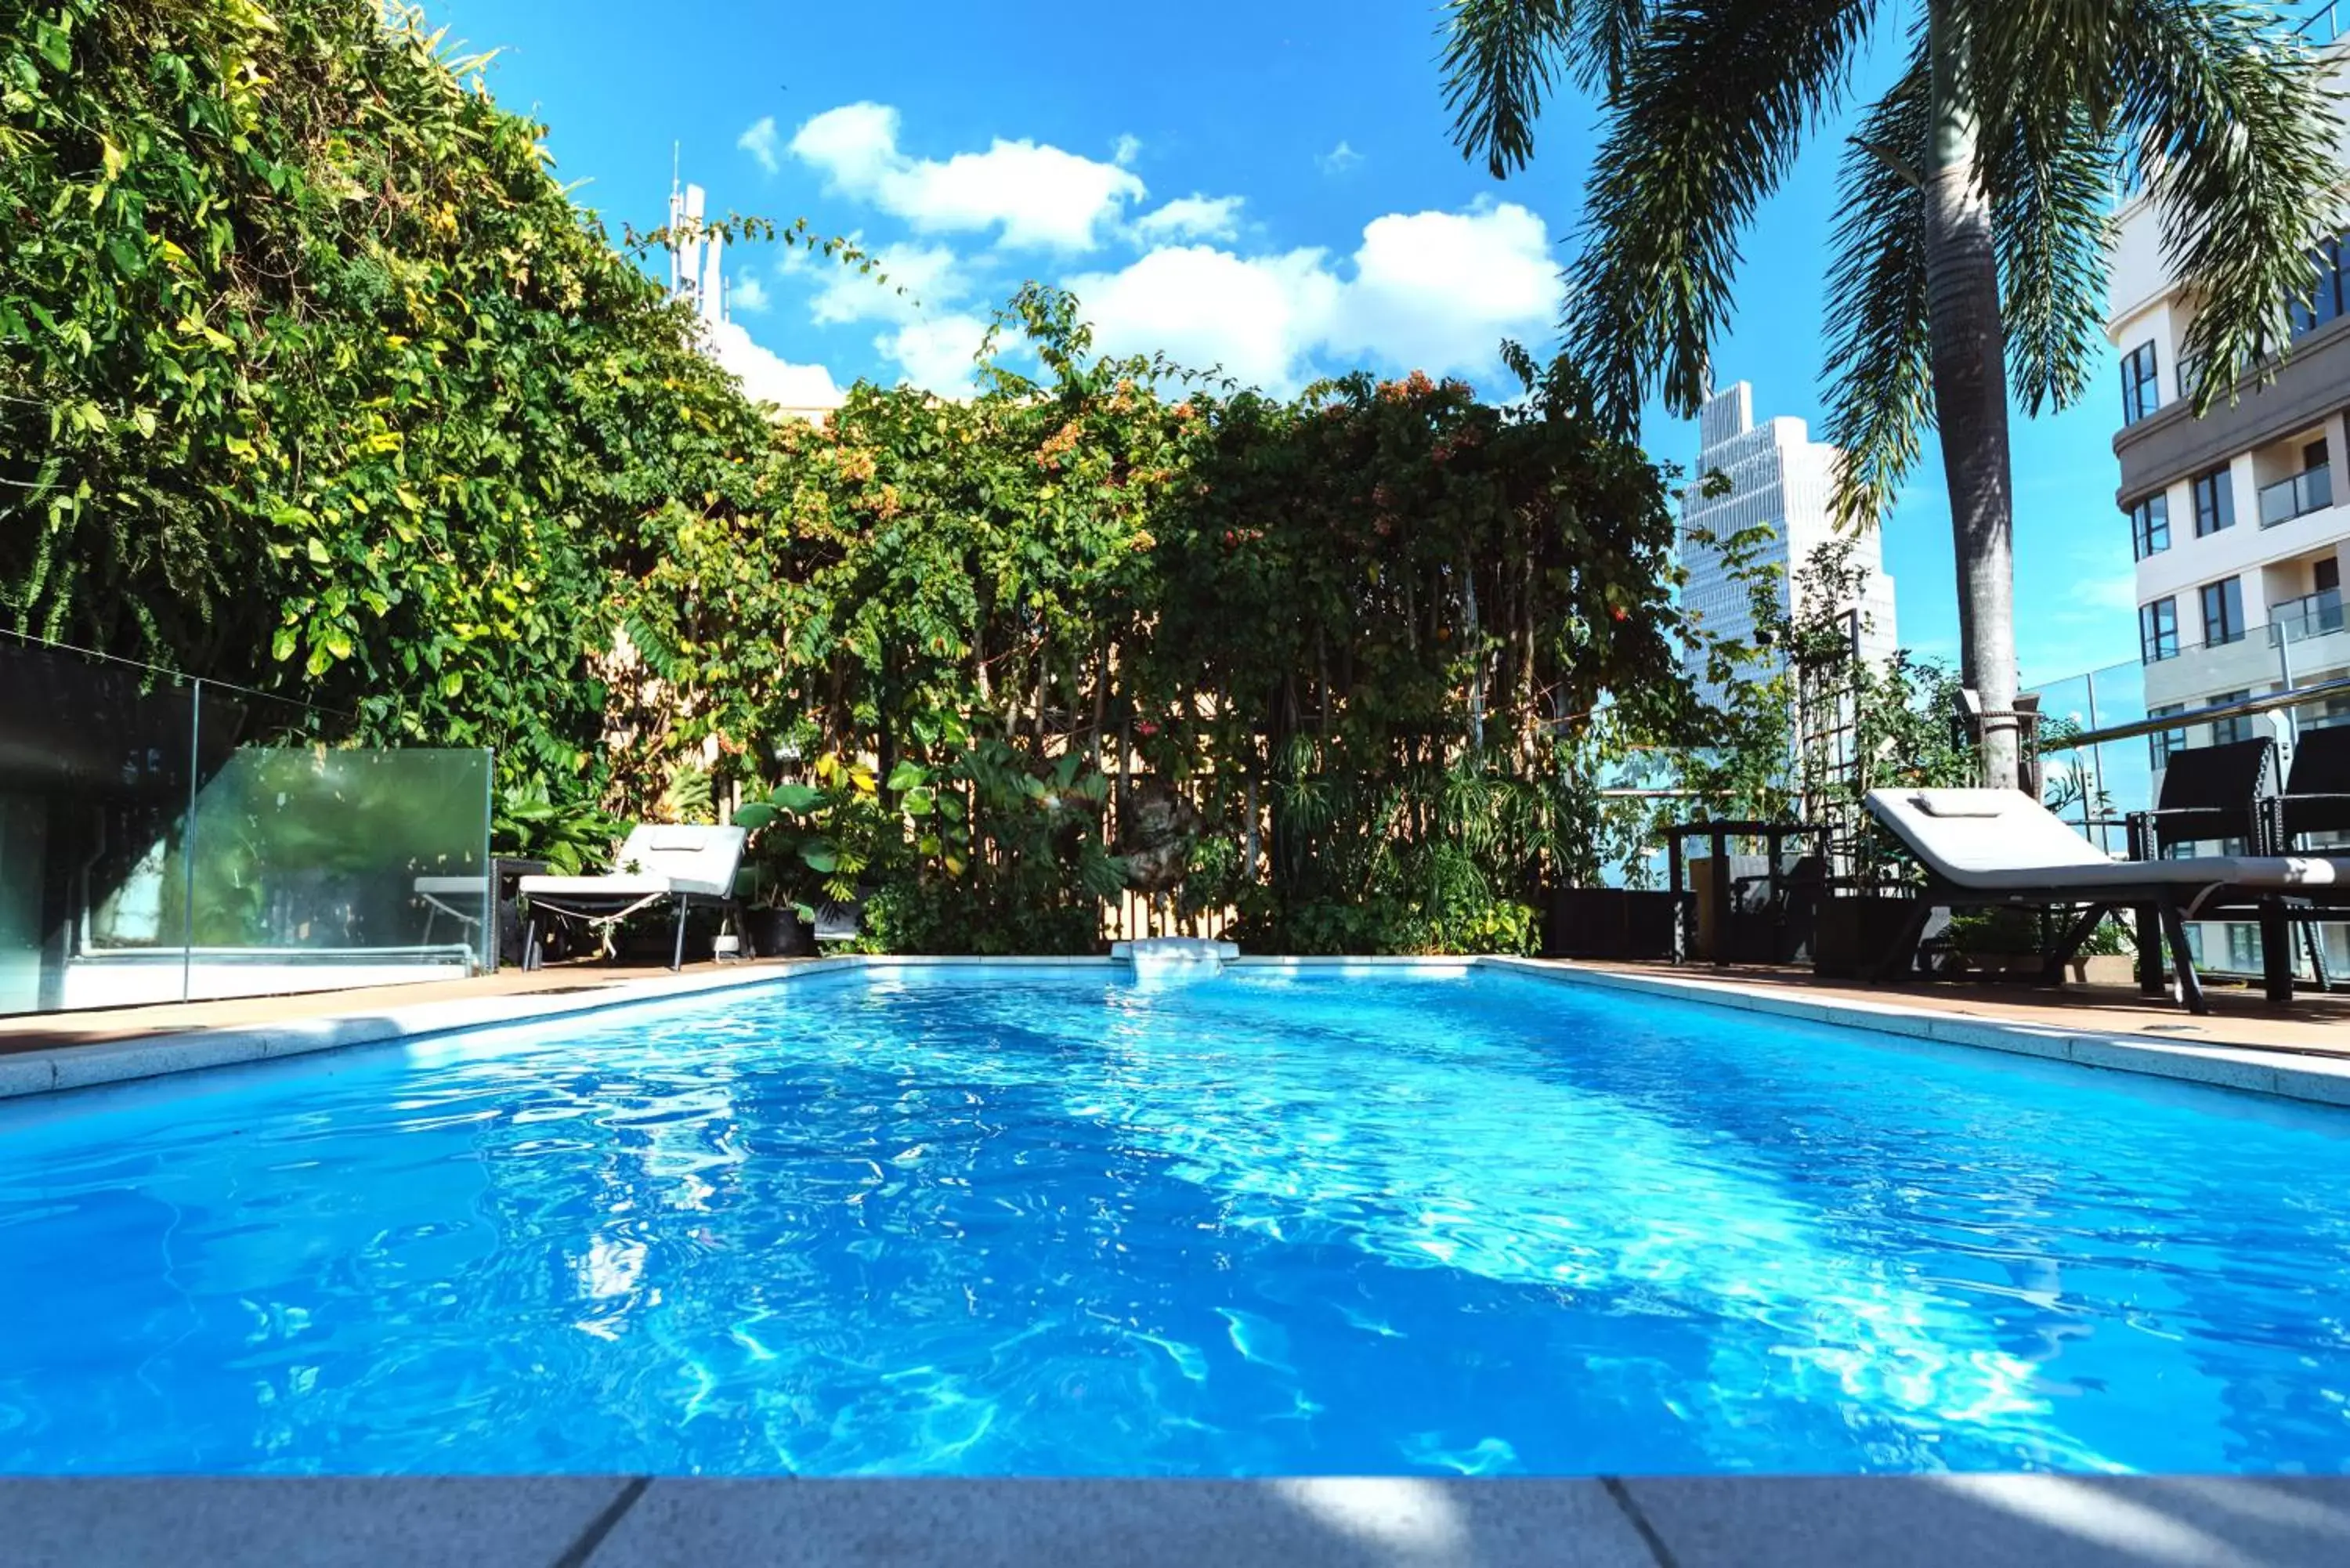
(2237, 522)
(1780, 479)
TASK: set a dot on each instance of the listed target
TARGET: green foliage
(572, 836)
(1345, 628)
(1805, 727)
(312, 378)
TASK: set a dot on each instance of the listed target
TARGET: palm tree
(1976, 199)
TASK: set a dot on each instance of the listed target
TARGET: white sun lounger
(1996, 847)
(655, 866)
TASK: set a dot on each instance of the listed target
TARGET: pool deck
(1723, 1521)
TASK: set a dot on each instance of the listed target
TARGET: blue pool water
(1042, 1221)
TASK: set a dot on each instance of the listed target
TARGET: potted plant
(790, 856)
(1995, 943)
(2108, 958)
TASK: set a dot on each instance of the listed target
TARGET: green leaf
(820, 856)
(755, 815)
(905, 775)
(796, 798)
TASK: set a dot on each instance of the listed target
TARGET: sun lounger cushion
(654, 860)
(2003, 840)
(619, 885)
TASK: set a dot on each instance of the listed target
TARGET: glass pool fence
(168, 839)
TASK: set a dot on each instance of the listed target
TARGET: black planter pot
(1851, 937)
(1609, 923)
(778, 933)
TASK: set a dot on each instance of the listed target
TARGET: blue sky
(1270, 186)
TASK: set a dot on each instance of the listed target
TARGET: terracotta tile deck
(2239, 1017)
(48, 1030)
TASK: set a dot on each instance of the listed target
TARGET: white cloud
(767, 375)
(1038, 196)
(1432, 291)
(759, 142)
(1438, 291)
(747, 293)
(1255, 317)
(1125, 151)
(1338, 159)
(936, 352)
(907, 280)
(1193, 217)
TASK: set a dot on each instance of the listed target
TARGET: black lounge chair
(2316, 799)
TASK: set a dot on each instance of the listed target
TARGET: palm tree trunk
(1969, 356)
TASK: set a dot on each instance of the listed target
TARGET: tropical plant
(1975, 212)
(570, 833)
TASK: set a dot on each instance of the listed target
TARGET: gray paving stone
(349, 1523)
(1329, 1523)
(1961, 1522)
(83, 1066)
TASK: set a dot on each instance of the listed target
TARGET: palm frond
(2051, 187)
(1500, 57)
(1879, 371)
(2228, 112)
(1713, 109)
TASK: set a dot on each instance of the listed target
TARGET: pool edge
(2247, 1069)
(2214, 1064)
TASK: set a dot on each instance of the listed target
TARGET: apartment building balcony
(2311, 490)
(2311, 616)
(2303, 639)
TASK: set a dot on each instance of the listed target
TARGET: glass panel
(318, 868)
(94, 771)
(305, 865)
(2124, 771)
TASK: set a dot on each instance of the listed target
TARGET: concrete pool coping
(1602, 1522)
(2303, 1075)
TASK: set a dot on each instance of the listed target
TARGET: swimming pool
(1042, 1221)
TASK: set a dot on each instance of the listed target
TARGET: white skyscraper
(1781, 479)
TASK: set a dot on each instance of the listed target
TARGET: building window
(2328, 291)
(2141, 388)
(2215, 502)
(2164, 743)
(2150, 526)
(2158, 630)
(2244, 948)
(2228, 731)
(2223, 612)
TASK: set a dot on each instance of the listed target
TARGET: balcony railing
(2290, 498)
(2315, 615)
